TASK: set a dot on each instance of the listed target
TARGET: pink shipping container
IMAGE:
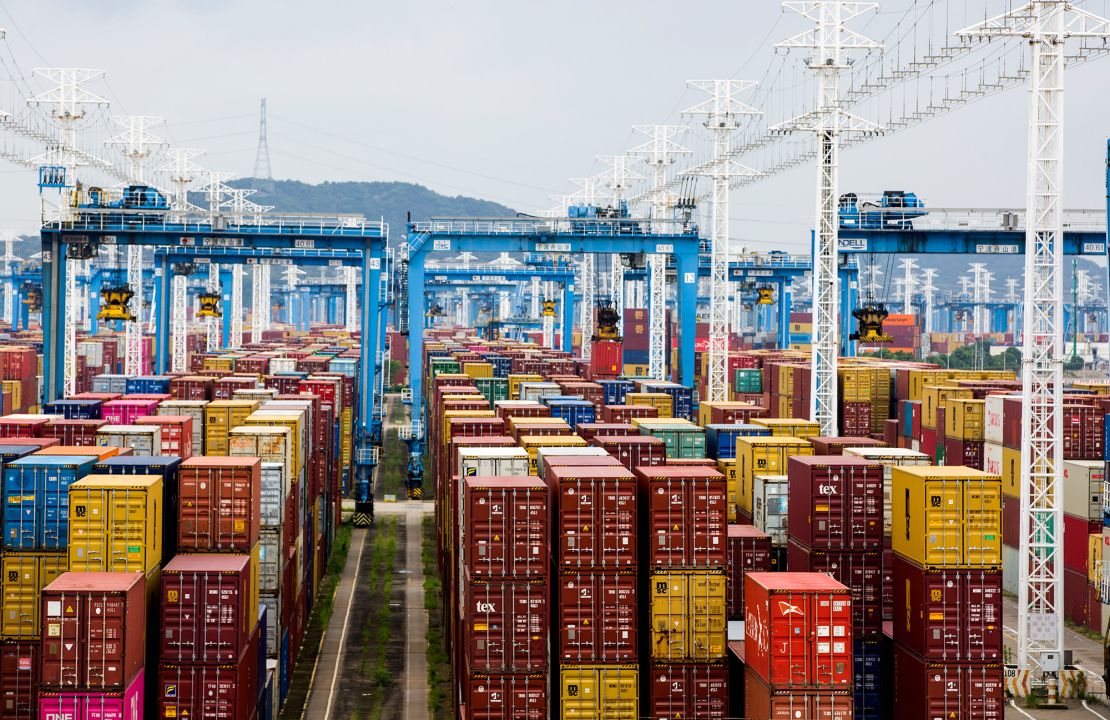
(126, 412)
(836, 502)
(686, 516)
(125, 705)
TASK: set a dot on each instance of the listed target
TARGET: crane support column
(569, 296)
(53, 314)
(162, 313)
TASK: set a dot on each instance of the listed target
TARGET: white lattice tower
(236, 319)
(211, 324)
(908, 284)
(873, 286)
(1011, 289)
(899, 290)
(1045, 25)
(267, 316)
(350, 304)
(616, 290)
(588, 280)
(977, 272)
(830, 40)
(929, 290)
(535, 296)
(723, 113)
(181, 171)
(178, 321)
(504, 308)
(9, 283)
(257, 301)
(659, 152)
(215, 190)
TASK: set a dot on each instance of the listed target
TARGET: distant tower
(262, 158)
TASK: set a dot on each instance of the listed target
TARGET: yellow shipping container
(599, 692)
(115, 523)
(936, 396)
(295, 422)
(662, 402)
(763, 456)
(855, 384)
(25, 574)
(1011, 472)
(963, 418)
(223, 363)
(531, 442)
(688, 618)
(947, 516)
(15, 389)
(219, 417)
(515, 379)
(1094, 557)
(789, 427)
(732, 484)
(478, 369)
(452, 414)
(635, 371)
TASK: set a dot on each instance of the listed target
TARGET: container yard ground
(1087, 654)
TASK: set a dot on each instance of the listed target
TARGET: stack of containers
(836, 527)
(762, 456)
(209, 644)
(30, 561)
(963, 432)
(596, 593)
(797, 646)
(504, 610)
(947, 593)
(683, 527)
(1083, 500)
(94, 646)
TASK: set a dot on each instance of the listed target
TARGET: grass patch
(378, 631)
(439, 664)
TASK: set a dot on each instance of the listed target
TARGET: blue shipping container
(615, 390)
(869, 679)
(573, 411)
(283, 667)
(162, 465)
(74, 409)
(36, 500)
(682, 397)
(148, 385)
(634, 357)
(720, 440)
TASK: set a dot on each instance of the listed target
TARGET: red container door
(597, 516)
(688, 691)
(506, 625)
(507, 527)
(597, 616)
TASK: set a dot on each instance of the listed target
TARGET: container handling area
(694, 444)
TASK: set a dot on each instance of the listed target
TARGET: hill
(391, 200)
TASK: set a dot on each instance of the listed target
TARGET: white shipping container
(275, 488)
(259, 394)
(283, 365)
(143, 439)
(542, 452)
(1010, 569)
(535, 391)
(992, 458)
(193, 409)
(1083, 481)
(272, 443)
(93, 352)
(270, 558)
(769, 506)
(272, 601)
(992, 418)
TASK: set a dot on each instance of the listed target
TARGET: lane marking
(1090, 710)
(346, 622)
(1015, 707)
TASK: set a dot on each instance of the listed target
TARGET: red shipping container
(929, 442)
(688, 690)
(762, 702)
(855, 418)
(93, 627)
(606, 358)
(686, 516)
(948, 615)
(504, 696)
(508, 411)
(861, 572)
(595, 514)
(219, 503)
(633, 451)
(798, 630)
(507, 526)
(207, 612)
(1083, 432)
(749, 550)
(1077, 532)
(39, 442)
(836, 502)
(925, 690)
(176, 433)
(74, 432)
(211, 692)
(627, 413)
(19, 679)
(597, 616)
(23, 427)
(192, 387)
(888, 584)
(505, 624)
(968, 453)
(588, 431)
(1076, 597)
(225, 387)
(836, 445)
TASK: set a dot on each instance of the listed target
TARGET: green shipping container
(748, 380)
(493, 389)
(680, 441)
(444, 366)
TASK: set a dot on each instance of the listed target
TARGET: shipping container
(926, 690)
(764, 456)
(505, 624)
(859, 571)
(680, 691)
(685, 516)
(836, 502)
(143, 439)
(19, 679)
(947, 516)
(771, 507)
(599, 692)
(505, 696)
(688, 616)
(596, 516)
(36, 500)
(24, 575)
(210, 691)
(115, 523)
(763, 702)
(209, 607)
(596, 613)
(126, 704)
(219, 503)
(507, 527)
(749, 550)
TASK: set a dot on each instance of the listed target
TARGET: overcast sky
(503, 99)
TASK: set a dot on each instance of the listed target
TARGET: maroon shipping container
(762, 702)
(1083, 432)
(749, 550)
(206, 608)
(627, 413)
(93, 627)
(948, 615)
(686, 516)
(968, 453)
(507, 527)
(888, 584)
(23, 427)
(861, 572)
(505, 624)
(783, 614)
(596, 515)
(633, 451)
(80, 433)
(19, 679)
(925, 690)
(532, 409)
(227, 691)
(688, 690)
(225, 387)
(588, 431)
(192, 387)
(836, 445)
(218, 503)
(597, 616)
(1077, 532)
(1011, 520)
(855, 418)
(836, 502)
(505, 696)
(735, 415)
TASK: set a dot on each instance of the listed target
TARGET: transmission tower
(659, 152)
(830, 40)
(1046, 25)
(722, 117)
(262, 157)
